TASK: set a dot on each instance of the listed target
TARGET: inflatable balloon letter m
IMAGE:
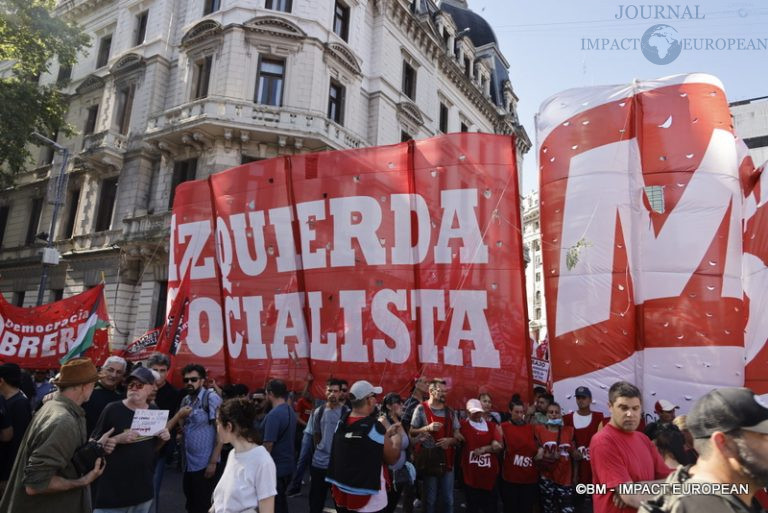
(655, 269)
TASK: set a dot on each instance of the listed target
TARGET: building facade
(172, 91)
(534, 270)
(750, 120)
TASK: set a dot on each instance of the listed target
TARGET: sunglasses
(191, 380)
(135, 385)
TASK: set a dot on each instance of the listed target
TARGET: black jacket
(669, 503)
(357, 455)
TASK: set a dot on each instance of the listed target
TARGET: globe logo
(661, 44)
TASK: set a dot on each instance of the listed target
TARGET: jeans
(136, 508)
(157, 480)
(318, 489)
(305, 458)
(198, 490)
(281, 499)
(439, 489)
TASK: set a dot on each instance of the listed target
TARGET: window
(162, 298)
(90, 121)
(124, 108)
(538, 296)
(56, 295)
(34, 220)
(443, 118)
(65, 73)
(4, 211)
(538, 276)
(18, 297)
(74, 202)
(183, 171)
(202, 77)
(467, 67)
(279, 5)
(211, 6)
(405, 136)
(538, 313)
(341, 20)
(141, 28)
(270, 82)
(104, 46)
(409, 81)
(464, 127)
(106, 204)
(245, 159)
(336, 102)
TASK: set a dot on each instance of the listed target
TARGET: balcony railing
(146, 227)
(106, 140)
(245, 115)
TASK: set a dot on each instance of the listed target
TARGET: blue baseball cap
(583, 392)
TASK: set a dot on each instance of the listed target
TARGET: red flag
(142, 347)
(176, 322)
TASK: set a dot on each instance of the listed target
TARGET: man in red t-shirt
(621, 454)
(585, 423)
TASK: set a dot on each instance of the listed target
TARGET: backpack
(317, 417)
(205, 404)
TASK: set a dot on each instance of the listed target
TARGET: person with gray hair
(108, 390)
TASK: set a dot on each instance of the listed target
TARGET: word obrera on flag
(643, 196)
(379, 263)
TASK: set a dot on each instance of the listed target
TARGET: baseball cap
(582, 392)
(728, 409)
(362, 389)
(474, 406)
(142, 374)
(664, 405)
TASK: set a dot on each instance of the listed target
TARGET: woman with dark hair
(248, 484)
(671, 445)
(391, 413)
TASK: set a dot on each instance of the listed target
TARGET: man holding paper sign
(139, 433)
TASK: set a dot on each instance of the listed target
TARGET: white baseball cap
(363, 389)
(474, 406)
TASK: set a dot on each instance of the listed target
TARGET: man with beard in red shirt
(585, 423)
(621, 454)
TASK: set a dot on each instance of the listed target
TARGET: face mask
(554, 422)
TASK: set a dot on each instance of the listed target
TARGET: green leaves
(31, 38)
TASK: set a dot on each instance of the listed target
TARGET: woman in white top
(248, 484)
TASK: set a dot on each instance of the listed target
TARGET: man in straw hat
(44, 478)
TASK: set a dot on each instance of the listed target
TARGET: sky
(545, 44)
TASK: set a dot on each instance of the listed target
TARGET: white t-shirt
(581, 421)
(248, 477)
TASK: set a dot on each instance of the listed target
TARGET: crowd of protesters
(68, 444)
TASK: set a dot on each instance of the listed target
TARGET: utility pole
(50, 254)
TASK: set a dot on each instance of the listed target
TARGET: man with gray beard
(730, 431)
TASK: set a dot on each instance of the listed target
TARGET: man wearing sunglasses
(126, 484)
(201, 446)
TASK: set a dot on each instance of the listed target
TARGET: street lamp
(50, 255)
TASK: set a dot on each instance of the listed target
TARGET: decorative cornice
(410, 112)
(343, 55)
(201, 31)
(126, 63)
(275, 26)
(89, 84)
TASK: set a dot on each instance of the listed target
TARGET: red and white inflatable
(654, 261)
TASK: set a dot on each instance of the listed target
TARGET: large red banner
(381, 264)
(644, 195)
(38, 337)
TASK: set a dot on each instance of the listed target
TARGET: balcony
(74, 9)
(144, 235)
(89, 242)
(104, 149)
(195, 122)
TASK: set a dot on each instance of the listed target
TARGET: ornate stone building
(174, 90)
(534, 270)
